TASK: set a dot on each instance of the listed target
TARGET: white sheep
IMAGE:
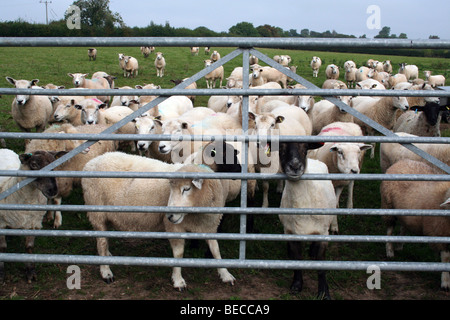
(215, 56)
(196, 193)
(316, 63)
(370, 84)
(66, 184)
(334, 84)
(127, 101)
(173, 107)
(143, 100)
(409, 70)
(380, 110)
(350, 76)
(133, 192)
(79, 80)
(253, 60)
(131, 66)
(146, 51)
(434, 81)
(65, 110)
(362, 73)
(395, 80)
(341, 157)
(418, 195)
(380, 76)
(207, 51)
(160, 64)
(349, 64)
(34, 193)
(213, 76)
(262, 75)
(192, 86)
(30, 111)
(92, 54)
(235, 79)
(302, 193)
(222, 103)
(325, 112)
(194, 51)
(390, 153)
(332, 71)
(387, 66)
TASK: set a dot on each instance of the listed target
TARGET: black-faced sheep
(34, 193)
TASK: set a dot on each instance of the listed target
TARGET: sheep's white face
(400, 103)
(145, 125)
(348, 156)
(174, 127)
(63, 109)
(159, 55)
(90, 110)
(78, 79)
(181, 195)
(305, 102)
(256, 73)
(22, 99)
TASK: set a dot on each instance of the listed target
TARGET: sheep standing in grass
(160, 64)
(395, 80)
(362, 74)
(434, 81)
(350, 76)
(213, 76)
(126, 101)
(29, 111)
(196, 193)
(132, 192)
(262, 75)
(34, 193)
(66, 184)
(387, 66)
(92, 54)
(409, 70)
(79, 81)
(194, 51)
(418, 195)
(316, 63)
(131, 67)
(215, 56)
(300, 193)
(342, 157)
(146, 51)
(332, 71)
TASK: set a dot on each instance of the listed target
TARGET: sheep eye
(213, 152)
(185, 189)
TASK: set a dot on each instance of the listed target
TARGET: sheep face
(145, 125)
(90, 110)
(400, 103)
(293, 157)
(173, 127)
(182, 193)
(63, 108)
(38, 160)
(78, 78)
(22, 84)
(306, 102)
(349, 156)
(432, 112)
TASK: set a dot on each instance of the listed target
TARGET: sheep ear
(251, 116)
(58, 154)
(61, 87)
(34, 82)
(365, 147)
(101, 106)
(138, 86)
(197, 183)
(279, 119)
(79, 107)
(11, 80)
(184, 125)
(314, 145)
(24, 157)
(70, 75)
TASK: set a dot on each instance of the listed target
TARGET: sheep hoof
(445, 289)
(109, 280)
(323, 296)
(296, 287)
(31, 275)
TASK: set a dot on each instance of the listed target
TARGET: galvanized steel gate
(245, 47)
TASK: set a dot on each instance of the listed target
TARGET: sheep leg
(295, 249)
(2, 264)
(178, 251)
(350, 194)
(317, 252)
(223, 272)
(30, 270)
(103, 250)
(265, 203)
(445, 277)
(390, 221)
(56, 215)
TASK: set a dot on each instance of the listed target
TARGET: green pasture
(51, 65)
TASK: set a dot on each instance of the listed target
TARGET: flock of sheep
(268, 115)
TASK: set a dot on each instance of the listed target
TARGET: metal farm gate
(245, 47)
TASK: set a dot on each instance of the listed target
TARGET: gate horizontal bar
(243, 42)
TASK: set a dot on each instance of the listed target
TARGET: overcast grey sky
(417, 18)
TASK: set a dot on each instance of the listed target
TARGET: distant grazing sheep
(92, 54)
(79, 80)
(434, 81)
(215, 56)
(160, 64)
(316, 63)
(409, 70)
(332, 71)
(213, 76)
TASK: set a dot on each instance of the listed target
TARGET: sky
(417, 18)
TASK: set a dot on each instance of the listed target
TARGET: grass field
(51, 65)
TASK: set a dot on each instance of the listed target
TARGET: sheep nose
(90, 122)
(354, 171)
(124, 103)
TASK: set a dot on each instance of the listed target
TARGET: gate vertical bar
(244, 164)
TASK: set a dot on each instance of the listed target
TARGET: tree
(384, 33)
(243, 29)
(96, 13)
